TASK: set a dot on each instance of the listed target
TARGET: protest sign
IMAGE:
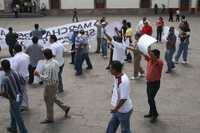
(110, 28)
(62, 32)
(144, 42)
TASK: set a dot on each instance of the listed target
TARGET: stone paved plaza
(89, 95)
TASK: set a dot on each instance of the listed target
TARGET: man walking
(35, 53)
(11, 40)
(58, 52)
(11, 89)
(19, 63)
(49, 75)
(121, 101)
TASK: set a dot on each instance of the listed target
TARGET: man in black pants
(11, 40)
(154, 71)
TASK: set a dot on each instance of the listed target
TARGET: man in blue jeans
(121, 101)
(11, 89)
(184, 38)
(104, 45)
(82, 53)
(170, 49)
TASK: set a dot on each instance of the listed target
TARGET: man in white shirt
(19, 63)
(58, 52)
(121, 101)
(119, 47)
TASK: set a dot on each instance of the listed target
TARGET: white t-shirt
(119, 51)
(58, 51)
(122, 91)
(19, 63)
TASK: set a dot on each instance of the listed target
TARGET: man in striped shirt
(11, 89)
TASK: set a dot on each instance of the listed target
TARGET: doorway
(185, 5)
(100, 4)
(145, 3)
(54, 4)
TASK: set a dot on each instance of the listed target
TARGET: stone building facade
(186, 5)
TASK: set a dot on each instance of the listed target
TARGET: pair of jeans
(159, 33)
(98, 45)
(85, 57)
(122, 119)
(60, 83)
(73, 53)
(16, 118)
(152, 89)
(78, 63)
(168, 58)
(11, 50)
(31, 70)
(104, 46)
(183, 49)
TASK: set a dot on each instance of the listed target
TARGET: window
(100, 3)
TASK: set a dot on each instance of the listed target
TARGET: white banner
(63, 33)
(144, 42)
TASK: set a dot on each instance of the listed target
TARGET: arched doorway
(145, 3)
(185, 5)
(54, 4)
(100, 4)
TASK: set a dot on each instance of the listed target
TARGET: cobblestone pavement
(89, 95)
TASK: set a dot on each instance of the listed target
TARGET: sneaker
(176, 62)
(105, 57)
(168, 71)
(78, 74)
(173, 68)
(135, 78)
(66, 112)
(12, 130)
(46, 122)
(154, 119)
(89, 68)
(148, 116)
(108, 67)
(184, 62)
(141, 74)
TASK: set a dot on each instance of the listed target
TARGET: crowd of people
(23, 67)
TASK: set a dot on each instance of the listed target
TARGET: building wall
(79, 4)
(2, 5)
(89, 4)
(122, 3)
(194, 4)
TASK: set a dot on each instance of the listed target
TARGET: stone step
(21, 15)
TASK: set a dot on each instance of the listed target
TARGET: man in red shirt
(154, 71)
(147, 29)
